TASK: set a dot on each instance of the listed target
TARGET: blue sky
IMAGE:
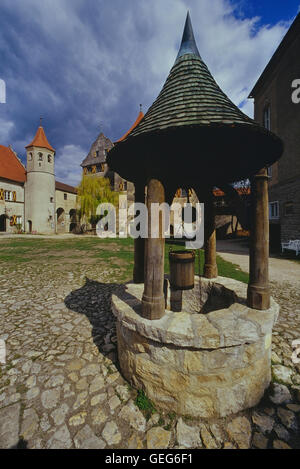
(86, 65)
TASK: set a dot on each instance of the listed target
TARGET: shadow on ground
(22, 444)
(94, 301)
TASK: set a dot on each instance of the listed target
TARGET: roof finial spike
(188, 43)
(41, 118)
(141, 108)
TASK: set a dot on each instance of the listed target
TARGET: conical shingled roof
(194, 122)
(40, 140)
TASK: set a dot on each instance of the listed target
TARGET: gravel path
(61, 387)
(280, 270)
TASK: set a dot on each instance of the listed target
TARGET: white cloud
(95, 61)
(6, 128)
(67, 164)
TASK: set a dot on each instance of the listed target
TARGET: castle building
(31, 200)
(95, 162)
(275, 108)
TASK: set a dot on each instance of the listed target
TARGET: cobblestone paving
(61, 388)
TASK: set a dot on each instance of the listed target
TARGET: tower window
(273, 210)
(40, 156)
(269, 170)
(49, 158)
(51, 200)
(288, 208)
(30, 157)
(65, 196)
(267, 117)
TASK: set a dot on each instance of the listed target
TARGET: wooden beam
(139, 243)
(258, 296)
(210, 266)
(153, 301)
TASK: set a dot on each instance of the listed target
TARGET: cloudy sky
(86, 65)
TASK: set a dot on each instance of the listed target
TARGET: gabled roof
(293, 32)
(101, 144)
(60, 186)
(40, 140)
(138, 120)
(220, 193)
(10, 166)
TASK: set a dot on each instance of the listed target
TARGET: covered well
(194, 137)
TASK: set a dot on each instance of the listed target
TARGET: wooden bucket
(182, 269)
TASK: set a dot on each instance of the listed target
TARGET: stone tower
(40, 185)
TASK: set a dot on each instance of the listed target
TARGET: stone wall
(289, 215)
(276, 91)
(201, 365)
(66, 205)
(10, 208)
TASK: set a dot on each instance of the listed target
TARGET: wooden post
(210, 266)
(153, 301)
(258, 296)
(139, 243)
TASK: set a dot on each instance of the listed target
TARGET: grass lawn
(117, 253)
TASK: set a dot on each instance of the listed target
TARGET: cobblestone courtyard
(61, 387)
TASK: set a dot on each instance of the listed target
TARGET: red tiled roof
(10, 166)
(40, 140)
(219, 193)
(138, 120)
(60, 186)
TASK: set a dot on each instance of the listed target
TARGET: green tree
(91, 192)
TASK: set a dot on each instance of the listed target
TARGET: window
(30, 157)
(40, 156)
(274, 210)
(49, 158)
(51, 200)
(8, 196)
(269, 170)
(19, 220)
(65, 196)
(267, 117)
(288, 208)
